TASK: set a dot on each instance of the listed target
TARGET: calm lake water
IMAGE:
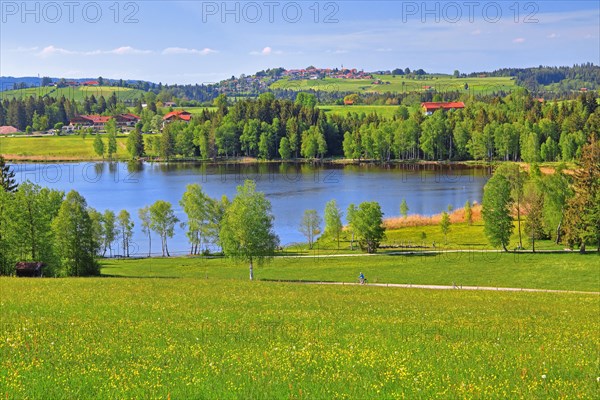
(291, 188)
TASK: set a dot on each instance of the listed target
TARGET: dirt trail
(445, 287)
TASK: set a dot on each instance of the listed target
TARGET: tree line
(562, 79)
(514, 128)
(41, 224)
(561, 206)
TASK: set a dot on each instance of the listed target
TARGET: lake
(291, 188)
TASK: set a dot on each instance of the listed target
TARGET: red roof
(178, 114)
(91, 83)
(129, 116)
(432, 106)
(7, 130)
(98, 119)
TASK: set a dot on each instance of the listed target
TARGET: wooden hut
(32, 269)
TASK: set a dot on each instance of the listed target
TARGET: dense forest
(516, 127)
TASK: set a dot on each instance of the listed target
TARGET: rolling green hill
(401, 84)
(74, 93)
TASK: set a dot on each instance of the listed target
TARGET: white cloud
(52, 50)
(384, 50)
(182, 50)
(128, 50)
(267, 51)
(519, 40)
(124, 50)
(552, 36)
(338, 51)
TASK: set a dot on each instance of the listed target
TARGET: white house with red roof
(177, 115)
(432, 106)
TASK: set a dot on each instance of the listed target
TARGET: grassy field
(525, 270)
(384, 111)
(192, 338)
(65, 148)
(401, 84)
(191, 110)
(75, 93)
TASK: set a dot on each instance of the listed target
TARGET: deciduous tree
(367, 222)
(247, 227)
(162, 221)
(310, 226)
(333, 220)
(73, 235)
(498, 224)
(125, 228)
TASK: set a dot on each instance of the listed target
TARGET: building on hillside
(32, 269)
(91, 83)
(97, 122)
(430, 107)
(169, 104)
(348, 102)
(177, 115)
(127, 120)
(8, 130)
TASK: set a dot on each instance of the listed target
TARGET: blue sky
(202, 42)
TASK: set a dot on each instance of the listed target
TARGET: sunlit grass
(220, 339)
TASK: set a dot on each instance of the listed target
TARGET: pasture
(468, 268)
(56, 148)
(223, 339)
(401, 84)
(77, 93)
(383, 111)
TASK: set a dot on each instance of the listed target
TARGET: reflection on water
(291, 188)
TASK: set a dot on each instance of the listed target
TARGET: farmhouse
(94, 121)
(169, 104)
(91, 83)
(177, 115)
(30, 269)
(430, 107)
(8, 130)
(127, 120)
(98, 122)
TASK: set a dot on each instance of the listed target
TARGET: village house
(177, 115)
(127, 120)
(98, 122)
(430, 107)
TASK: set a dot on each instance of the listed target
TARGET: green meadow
(75, 93)
(56, 148)
(468, 268)
(132, 338)
(401, 84)
(384, 111)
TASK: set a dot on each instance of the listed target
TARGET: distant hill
(331, 85)
(78, 93)
(8, 83)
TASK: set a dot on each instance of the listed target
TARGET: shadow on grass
(137, 277)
